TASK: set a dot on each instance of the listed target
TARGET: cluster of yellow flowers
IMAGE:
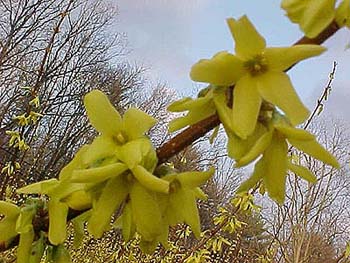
(117, 172)
(255, 128)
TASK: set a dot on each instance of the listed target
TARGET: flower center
(174, 186)
(120, 138)
(256, 65)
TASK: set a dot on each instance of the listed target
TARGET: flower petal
(186, 104)
(42, 187)
(317, 16)
(237, 148)
(282, 58)
(101, 147)
(8, 209)
(312, 16)
(102, 115)
(75, 163)
(275, 167)
(146, 212)
(7, 229)
(24, 248)
(192, 117)
(194, 179)
(98, 174)
(223, 69)
(136, 123)
(254, 179)
(113, 194)
(294, 133)
(246, 106)
(150, 181)
(248, 42)
(224, 112)
(313, 148)
(58, 212)
(303, 172)
(342, 15)
(257, 149)
(275, 87)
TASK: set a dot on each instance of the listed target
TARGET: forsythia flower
(258, 74)
(274, 163)
(23, 120)
(115, 169)
(312, 15)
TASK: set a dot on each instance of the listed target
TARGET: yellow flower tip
(342, 15)
(248, 42)
(222, 69)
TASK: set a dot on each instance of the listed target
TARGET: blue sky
(169, 36)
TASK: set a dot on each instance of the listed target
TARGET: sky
(169, 36)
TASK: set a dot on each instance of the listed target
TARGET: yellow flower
(312, 15)
(258, 74)
(23, 120)
(274, 163)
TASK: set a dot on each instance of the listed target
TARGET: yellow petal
(317, 16)
(342, 15)
(194, 179)
(246, 106)
(25, 246)
(79, 200)
(248, 42)
(223, 69)
(237, 148)
(150, 181)
(190, 212)
(58, 212)
(254, 179)
(294, 133)
(224, 112)
(303, 172)
(75, 163)
(101, 147)
(146, 212)
(294, 9)
(43, 187)
(8, 209)
(275, 168)
(313, 148)
(192, 117)
(258, 148)
(275, 87)
(113, 194)
(282, 58)
(102, 115)
(186, 104)
(136, 123)
(128, 225)
(199, 193)
(312, 16)
(7, 229)
(98, 174)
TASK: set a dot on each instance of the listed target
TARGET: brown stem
(183, 139)
(186, 138)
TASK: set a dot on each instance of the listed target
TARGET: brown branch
(186, 138)
(183, 139)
